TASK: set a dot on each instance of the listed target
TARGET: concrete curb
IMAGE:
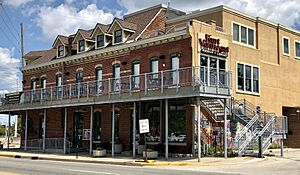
(129, 163)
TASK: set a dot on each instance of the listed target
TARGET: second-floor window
(81, 46)
(297, 49)
(175, 69)
(99, 79)
(118, 36)
(135, 74)
(43, 83)
(33, 84)
(79, 76)
(116, 77)
(286, 46)
(58, 80)
(243, 34)
(60, 51)
(100, 40)
(153, 78)
(248, 78)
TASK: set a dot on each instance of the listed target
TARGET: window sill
(242, 44)
(247, 93)
(285, 54)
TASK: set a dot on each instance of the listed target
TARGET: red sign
(212, 46)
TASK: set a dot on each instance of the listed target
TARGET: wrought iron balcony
(184, 82)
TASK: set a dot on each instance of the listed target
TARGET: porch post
(193, 131)
(16, 126)
(134, 129)
(91, 131)
(26, 130)
(65, 131)
(167, 129)
(225, 130)
(44, 131)
(113, 132)
(8, 132)
(199, 129)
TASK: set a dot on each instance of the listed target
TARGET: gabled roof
(123, 24)
(86, 34)
(102, 27)
(63, 39)
(36, 57)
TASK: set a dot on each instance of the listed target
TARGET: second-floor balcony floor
(179, 83)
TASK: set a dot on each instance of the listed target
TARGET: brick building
(175, 69)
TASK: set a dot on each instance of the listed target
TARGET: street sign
(144, 126)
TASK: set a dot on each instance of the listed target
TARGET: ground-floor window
(177, 122)
(117, 120)
(97, 126)
(152, 112)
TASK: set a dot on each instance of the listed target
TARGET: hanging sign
(144, 125)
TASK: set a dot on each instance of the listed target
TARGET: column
(91, 131)
(65, 131)
(225, 130)
(193, 131)
(134, 129)
(113, 132)
(166, 129)
(8, 132)
(26, 130)
(16, 126)
(199, 129)
(44, 131)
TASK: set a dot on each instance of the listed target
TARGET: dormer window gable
(83, 40)
(101, 37)
(121, 30)
(60, 44)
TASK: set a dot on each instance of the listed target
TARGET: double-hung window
(247, 78)
(243, 34)
(116, 77)
(153, 77)
(286, 46)
(175, 69)
(118, 36)
(99, 79)
(60, 51)
(297, 49)
(81, 45)
(100, 40)
(135, 74)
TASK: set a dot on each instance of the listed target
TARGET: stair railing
(248, 140)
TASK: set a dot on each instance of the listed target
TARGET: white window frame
(259, 79)
(59, 56)
(240, 35)
(78, 50)
(104, 40)
(285, 37)
(296, 41)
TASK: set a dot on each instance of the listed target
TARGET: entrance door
(78, 129)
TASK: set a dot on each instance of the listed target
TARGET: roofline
(78, 31)
(145, 10)
(58, 38)
(123, 28)
(234, 11)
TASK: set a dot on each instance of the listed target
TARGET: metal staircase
(255, 124)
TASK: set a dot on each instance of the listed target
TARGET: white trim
(63, 50)
(96, 41)
(285, 37)
(240, 35)
(244, 79)
(85, 46)
(296, 41)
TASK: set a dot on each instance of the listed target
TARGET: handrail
(246, 128)
(248, 140)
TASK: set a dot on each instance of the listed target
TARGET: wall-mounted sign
(13, 98)
(212, 46)
(144, 126)
(86, 134)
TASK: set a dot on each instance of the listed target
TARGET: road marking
(7, 173)
(92, 172)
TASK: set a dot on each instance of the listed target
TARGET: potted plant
(99, 152)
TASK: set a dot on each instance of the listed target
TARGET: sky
(43, 20)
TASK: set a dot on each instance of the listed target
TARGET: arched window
(175, 69)
(99, 79)
(43, 82)
(116, 77)
(135, 74)
(33, 83)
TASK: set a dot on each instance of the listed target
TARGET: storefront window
(97, 126)
(177, 122)
(152, 112)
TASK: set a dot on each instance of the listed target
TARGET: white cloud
(65, 19)
(283, 11)
(16, 3)
(8, 70)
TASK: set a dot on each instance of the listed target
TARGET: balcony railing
(143, 84)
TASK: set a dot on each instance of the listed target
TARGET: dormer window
(60, 51)
(81, 45)
(118, 36)
(100, 40)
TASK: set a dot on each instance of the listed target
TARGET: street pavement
(12, 166)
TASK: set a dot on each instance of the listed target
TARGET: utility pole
(22, 44)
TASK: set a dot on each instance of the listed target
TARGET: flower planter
(118, 148)
(150, 154)
(99, 153)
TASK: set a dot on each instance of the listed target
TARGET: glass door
(78, 129)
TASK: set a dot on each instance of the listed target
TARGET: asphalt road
(12, 166)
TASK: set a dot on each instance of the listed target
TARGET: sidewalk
(83, 157)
